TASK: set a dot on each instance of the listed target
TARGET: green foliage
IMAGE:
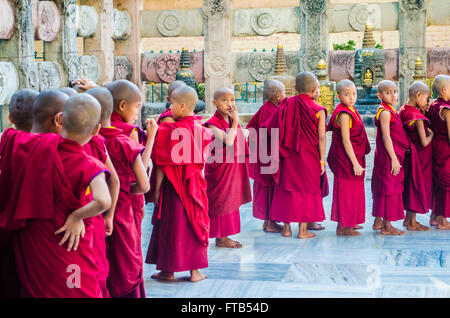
(379, 46)
(349, 46)
(200, 88)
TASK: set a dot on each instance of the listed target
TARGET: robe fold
(36, 209)
(181, 224)
(348, 207)
(441, 159)
(227, 178)
(299, 185)
(418, 182)
(263, 183)
(387, 189)
(123, 247)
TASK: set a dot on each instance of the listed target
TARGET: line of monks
(74, 178)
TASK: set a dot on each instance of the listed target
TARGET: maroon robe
(123, 247)
(228, 181)
(299, 186)
(348, 207)
(412, 200)
(35, 210)
(180, 234)
(96, 148)
(263, 183)
(387, 189)
(441, 159)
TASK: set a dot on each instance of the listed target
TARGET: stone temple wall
(113, 32)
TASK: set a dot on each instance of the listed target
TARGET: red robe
(263, 183)
(413, 198)
(180, 234)
(96, 148)
(228, 181)
(348, 207)
(297, 119)
(138, 200)
(123, 247)
(387, 189)
(36, 209)
(441, 159)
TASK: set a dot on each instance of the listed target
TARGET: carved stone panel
(87, 21)
(167, 66)
(49, 75)
(169, 23)
(122, 68)
(261, 66)
(218, 64)
(48, 22)
(120, 24)
(7, 19)
(9, 82)
(363, 13)
(89, 67)
(263, 22)
(438, 61)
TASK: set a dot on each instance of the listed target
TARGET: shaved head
(105, 99)
(385, 84)
(440, 82)
(186, 95)
(20, 108)
(81, 114)
(272, 88)
(344, 84)
(174, 85)
(222, 91)
(305, 82)
(47, 104)
(418, 87)
(123, 90)
(69, 91)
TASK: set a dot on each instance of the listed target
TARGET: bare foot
(358, 227)
(377, 224)
(163, 276)
(346, 231)
(303, 232)
(390, 230)
(286, 232)
(197, 276)
(443, 223)
(313, 226)
(272, 227)
(415, 226)
(227, 242)
(434, 220)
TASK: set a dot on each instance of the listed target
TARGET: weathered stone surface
(87, 20)
(438, 61)
(167, 65)
(9, 82)
(7, 19)
(247, 22)
(171, 23)
(122, 68)
(149, 67)
(48, 22)
(88, 67)
(121, 24)
(49, 75)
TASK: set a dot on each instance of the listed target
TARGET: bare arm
(227, 138)
(424, 139)
(445, 115)
(385, 118)
(114, 189)
(344, 123)
(159, 176)
(142, 184)
(152, 128)
(322, 132)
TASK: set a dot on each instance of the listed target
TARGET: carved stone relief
(363, 13)
(167, 66)
(89, 67)
(9, 82)
(263, 22)
(169, 23)
(122, 68)
(49, 75)
(48, 22)
(7, 19)
(87, 21)
(261, 66)
(120, 24)
(218, 64)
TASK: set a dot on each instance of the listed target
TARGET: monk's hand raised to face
(395, 167)
(233, 112)
(73, 228)
(358, 170)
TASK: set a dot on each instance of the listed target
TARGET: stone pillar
(412, 26)
(217, 28)
(132, 45)
(313, 33)
(101, 44)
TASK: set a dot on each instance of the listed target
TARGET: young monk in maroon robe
(347, 160)
(417, 199)
(439, 115)
(49, 214)
(297, 195)
(274, 92)
(179, 239)
(388, 173)
(124, 245)
(20, 116)
(226, 170)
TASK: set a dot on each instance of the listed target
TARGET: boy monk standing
(418, 182)
(20, 109)
(226, 170)
(274, 92)
(439, 115)
(388, 173)
(179, 240)
(297, 195)
(347, 160)
(56, 190)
